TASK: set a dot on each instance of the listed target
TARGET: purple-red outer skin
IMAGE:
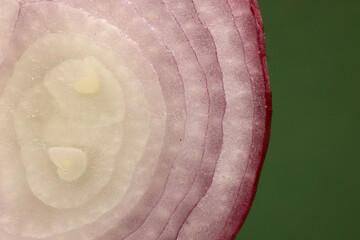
(268, 105)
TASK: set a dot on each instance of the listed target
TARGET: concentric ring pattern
(137, 119)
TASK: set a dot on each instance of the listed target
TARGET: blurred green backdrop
(310, 184)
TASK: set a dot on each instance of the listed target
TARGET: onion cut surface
(137, 119)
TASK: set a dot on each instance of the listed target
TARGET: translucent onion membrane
(137, 119)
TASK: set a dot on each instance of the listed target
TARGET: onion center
(71, 162)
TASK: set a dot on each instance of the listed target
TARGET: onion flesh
(139, 119)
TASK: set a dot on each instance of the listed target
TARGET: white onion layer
(54, 122)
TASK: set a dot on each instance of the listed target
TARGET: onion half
(137, 119)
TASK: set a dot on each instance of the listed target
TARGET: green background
(310, 183)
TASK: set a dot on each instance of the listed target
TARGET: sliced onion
(139, 119)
